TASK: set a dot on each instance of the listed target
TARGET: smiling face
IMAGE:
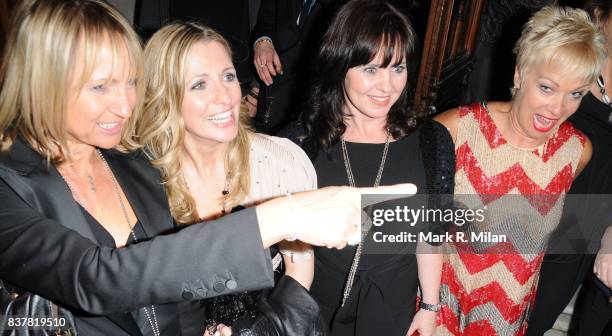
(370, 90)
(211, 102)
(546, 97)
(97, 110)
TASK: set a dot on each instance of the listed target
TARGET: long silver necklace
(604, 96)
(151, 316)
(351, 179)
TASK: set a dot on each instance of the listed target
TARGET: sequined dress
(488, 288)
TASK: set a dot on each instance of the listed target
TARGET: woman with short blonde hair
(561, 35)
(520, 157)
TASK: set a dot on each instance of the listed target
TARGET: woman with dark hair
(359, 131)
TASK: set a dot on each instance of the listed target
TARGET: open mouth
(221, 118)
(110, 127)
(380, 100)
(543, 124)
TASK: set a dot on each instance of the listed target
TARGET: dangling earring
(514, 89)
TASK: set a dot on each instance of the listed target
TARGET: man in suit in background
(232, 19)
(285, 34)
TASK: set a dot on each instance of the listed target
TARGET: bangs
(89, 47)
(577, 59)
(97, 31)
(393, 49)
(390, 38)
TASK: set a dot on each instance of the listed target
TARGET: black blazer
(277, 19)
(48, 248)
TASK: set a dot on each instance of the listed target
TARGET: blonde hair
(43, 44)
(565, 36)
(159, 125)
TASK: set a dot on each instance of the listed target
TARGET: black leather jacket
(288, 311)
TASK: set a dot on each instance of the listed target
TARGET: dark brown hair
(360, 29)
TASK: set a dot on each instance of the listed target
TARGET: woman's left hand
(424, 322)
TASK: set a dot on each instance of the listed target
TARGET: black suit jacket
(231, 18)
(295, 44)
(48, 248)
(277, 19)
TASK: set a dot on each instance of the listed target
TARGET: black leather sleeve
(289, 310)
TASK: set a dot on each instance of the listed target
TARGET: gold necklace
(225, 193)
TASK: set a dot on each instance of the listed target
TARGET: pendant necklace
(225, 193)
(604, 96)
(150, 314)
(351, 179)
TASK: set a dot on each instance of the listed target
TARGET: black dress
(165, 315)
(383, 296)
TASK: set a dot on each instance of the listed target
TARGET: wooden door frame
(434, 66)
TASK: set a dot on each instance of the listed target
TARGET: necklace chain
(606, 99)
(152, 316)
(351, 179)
(225, 193)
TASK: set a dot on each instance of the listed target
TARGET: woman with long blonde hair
(192, 126)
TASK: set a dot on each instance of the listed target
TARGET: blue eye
(577, 95)
(132, 83)
(198, 86)
(229, 77)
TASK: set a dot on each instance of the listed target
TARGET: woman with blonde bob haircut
(43, 50)
(509, 152)
(192, 126)
(81, 217)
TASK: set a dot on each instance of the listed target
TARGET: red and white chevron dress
(492, 293)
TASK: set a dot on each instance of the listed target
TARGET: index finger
(386, 193)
